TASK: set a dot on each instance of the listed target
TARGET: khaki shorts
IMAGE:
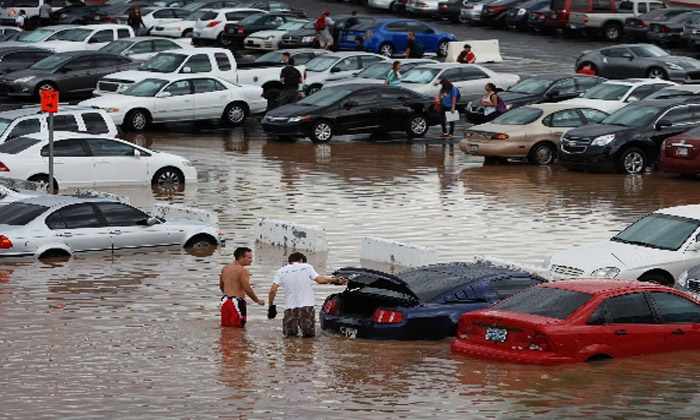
(325, 39)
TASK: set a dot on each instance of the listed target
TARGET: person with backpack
(324, 30)
(448, 97)
(493, 104)
(291, 79)
(414, 48)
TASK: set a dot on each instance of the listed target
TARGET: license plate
(496, 334)
(349, 38)
(473, 148)
(681, 151)
(349, 332)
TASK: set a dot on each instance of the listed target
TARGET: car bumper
(283, 45)
(495, 148)
(508, 355)
(260, 44)
(286, 128)
(599, 162)
(679, 166)
(16, 89)
(380, 4)
(423, 11)
(362, 328)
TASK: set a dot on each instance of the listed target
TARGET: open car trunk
(368, 290)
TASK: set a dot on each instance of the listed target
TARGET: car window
(368, 60)
(545, 301)
(81, 63)
(162, 45)
(206, 85)
(579, 4)
(631, 308)
(585, 83)
(163, 13)
(119, 214)
(17, 145)
(142, 47)
(679, 115)
(222, 61)
(675, 309)
(199, 63)
(607, 92)
(104, 147)
(102, 36)
(615, 52)
(275, 21)
(519, 116)
(605, 5)
(593, 115)
(452, 75)
(94, 123)
(65, 123)
(123, 33)
(24, 127)
(395, 27)
(110, 60)
(80, 216)
(417, 27)
(564, 87)
(394, 96)
(66, 148)
(303, 58)
(507, 286)
(350, 63)
(18, 213)
(364, 98)
(642, 92)
(566, 118)
(473, 73)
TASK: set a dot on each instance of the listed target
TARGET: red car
(681, 154)
(581, 320)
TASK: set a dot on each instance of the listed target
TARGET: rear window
(365, 26)
(210, 15)
(17, 145)
(18, 213)
(505, 287)
(519, 116)
(94, 123)
(545, 301)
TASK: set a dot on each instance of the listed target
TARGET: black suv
(629, 139)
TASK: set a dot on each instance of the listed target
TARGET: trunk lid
(500, 328)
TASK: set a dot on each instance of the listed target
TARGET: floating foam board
(398, 253)
(177, 211)
(291, 235)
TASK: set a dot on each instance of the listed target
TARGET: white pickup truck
(205, 61)
(608, 24)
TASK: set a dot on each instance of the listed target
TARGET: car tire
(632, 161)
(443, 48)
(612, 32)
(543, 153)
(45, 85)
(386, 49)
(169, 177)
(187, 33)
(44, 179)
(54, 253)
(417, 125)
(137, 120)
(221, 41)
(200, 241)
(235, 113)
(657, 73)
(321, 132)
(657, 278)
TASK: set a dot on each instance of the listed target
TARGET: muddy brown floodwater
(136, 335)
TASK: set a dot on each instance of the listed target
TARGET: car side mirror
(552, 93)
(137, 153)
(632, 99)
(350, 104)
(186, 70)
(335, 69)
(152, 221)
(164, 95)
(663, 123)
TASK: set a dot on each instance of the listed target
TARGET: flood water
(136, 335)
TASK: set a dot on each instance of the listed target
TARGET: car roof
(595, 286)
(60, 135)
(21, 48)
(637, 82)
(441, 65)
(238, 9)
(691, 211)
(556, 76)
(557, 106)
(99, 26)
(193, 50)
(142, 38)
(85, 52)
(665, 103)
(36, 110)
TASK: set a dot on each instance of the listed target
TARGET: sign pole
(50, 187)
(49, 103)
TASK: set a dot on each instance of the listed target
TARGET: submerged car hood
(363, 277)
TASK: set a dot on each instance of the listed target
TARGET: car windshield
(441, 280)
(18, 213)
(75, 35)
(51, 62)
(325, 97)
(163, 63)
(660, 231)
(292, 25)
(420, 75)
(633, 116)
(535, 86)
(195, 15)
(320, 63)
(273, 57)
(544, 301)
(116, 47)
(4, 124)
(607, 92)
(35, 35)
(518, 116)
(145, 88)
(376, 71)
(648, 51)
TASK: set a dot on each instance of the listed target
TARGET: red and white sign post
(49, 103)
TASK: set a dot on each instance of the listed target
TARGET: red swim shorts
(233, 312)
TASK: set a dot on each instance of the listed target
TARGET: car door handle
(621, 332)
(678, 332)
(65, 235)
(222, 96)
(115, 232)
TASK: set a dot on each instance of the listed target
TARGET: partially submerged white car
(656, 248)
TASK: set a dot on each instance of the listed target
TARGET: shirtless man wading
(235, 284)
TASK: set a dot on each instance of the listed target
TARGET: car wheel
(417, 126)
(44, 179)
(235, 113)
(657, 278)
(542, 154)
(657, 73)
(321, 132)
(632, 161)
(54, 253)
(386, 49)
(395, 7)
(137, 120)
(313, 89)
(222, 41)
(612, 32)
(443, 48)
(200, 241)
(187, 33)
(168, 177)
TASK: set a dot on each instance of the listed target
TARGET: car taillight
(585, 19)
(665, 29)
(213, 23)
(330, 307)
(541, 342)
(444, 7)
(240, 30)
(4, 168)
(5, 242)
(642, 24)
(541, 16)
(387, 316)
(497, 9)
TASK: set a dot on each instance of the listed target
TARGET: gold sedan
(531, 131)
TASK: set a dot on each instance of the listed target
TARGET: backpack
(420, 49)
(501, 106)
(320, 23)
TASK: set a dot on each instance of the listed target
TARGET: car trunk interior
(363, 303)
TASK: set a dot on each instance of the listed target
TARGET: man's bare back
(235, 279)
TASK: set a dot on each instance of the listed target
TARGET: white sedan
(83, 160)
(90, 37)
(181, 28)
(470, 79)
(269, 40)
(178, 97)
(614, 94)
(50, 226)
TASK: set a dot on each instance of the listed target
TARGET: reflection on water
(137, 334)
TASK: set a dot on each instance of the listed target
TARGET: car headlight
(298, 119)
(25, 79)
(271, 37)
(603, 140)
(111, 110)
(606, 272)
(673, 66)
(683, 279)
(308, 39)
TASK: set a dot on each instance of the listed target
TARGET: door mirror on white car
(137, 153)
(164, 95)
(186, 70)
(152, 221)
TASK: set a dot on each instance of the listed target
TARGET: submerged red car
(581, 320)
(681, 154)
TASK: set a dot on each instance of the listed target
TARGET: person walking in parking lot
(448, 101)
(324, 29)
(413, 47)
(234, 283)
(45, 13)
(393, 78)
(291, 79)
(136, 21)
(20, 20)
(299, 299)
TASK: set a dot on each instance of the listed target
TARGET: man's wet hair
(296, 256)
(241, 251)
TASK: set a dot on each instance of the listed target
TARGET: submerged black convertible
(354, 108)
(419, 304)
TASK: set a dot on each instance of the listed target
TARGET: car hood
(611, 254)
(292, 110)
(594, 130)
(364, 277)
(133, 75)
(112, 101)
(599, 104)
(265, 34)
(302, 32)
(685, 62)
(26, 73)
(519, 99)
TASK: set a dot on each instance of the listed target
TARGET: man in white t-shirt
(299, 299)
